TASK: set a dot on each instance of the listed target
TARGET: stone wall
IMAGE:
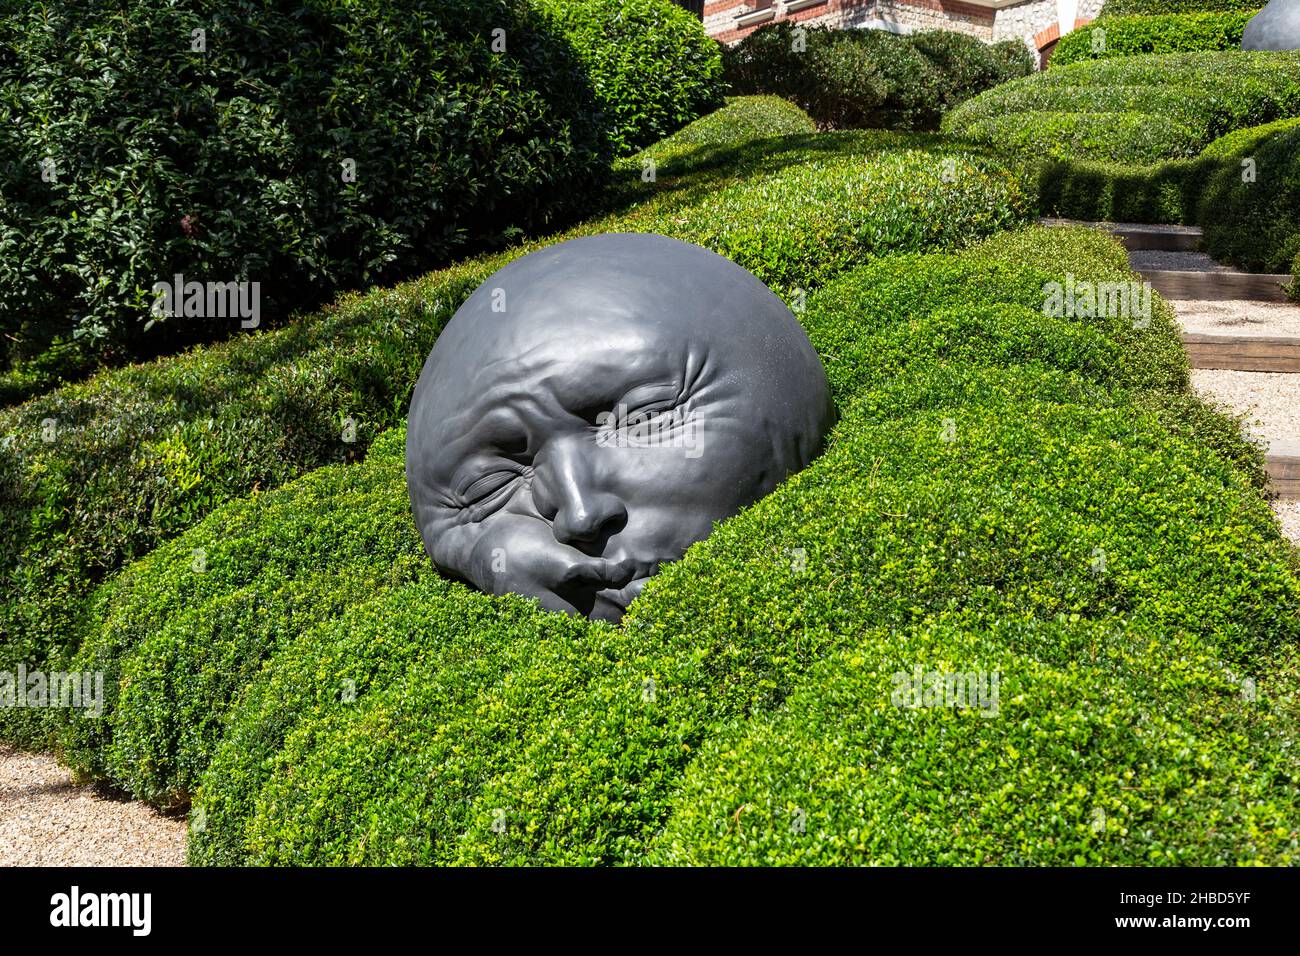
(898, 16)
(1037, 22)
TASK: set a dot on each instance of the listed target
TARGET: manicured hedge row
(181, 631)
(1256, 224)
(854, 79)
(1116, 8)
(1111, 36)
(1134, 110)
(532, 738)
(135, 456)
(1097, 755)
(466, 124)
(1242, 190)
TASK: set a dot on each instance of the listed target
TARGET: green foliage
(182, 630)
(224, 163)
(1132, 110)
(1256, 224)
(651, 67)
(869, 78)
(480, 730)
(1167, 33)
(1116, 8)
(137, 455)
(969, 66)
(1096, 753)
(1248, 222)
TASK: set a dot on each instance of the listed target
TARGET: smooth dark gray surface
(1276, 27)
(635, 390)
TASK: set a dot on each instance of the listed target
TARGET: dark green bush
(479, 740)
(225, 163)
(137, 455)
(968, 65)
(1134, 110)
(1167, 33)
(652, 68)
(869, 78)
(1255, 223)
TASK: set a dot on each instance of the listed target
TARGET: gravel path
(46, 820)
(1144, 260)
(1270, 400)
(1239, 317)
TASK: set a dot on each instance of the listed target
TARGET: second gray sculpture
(594, 407)
(1276, 27)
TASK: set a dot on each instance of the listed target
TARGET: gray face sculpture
(594, 407)
(1276, 27)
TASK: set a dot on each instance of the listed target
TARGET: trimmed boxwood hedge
(1134, 110)
(182, 630)
(1166, 33)
(139, 454)
(1251, 224)
(1115, 8)
(380, 734)
(482, 731)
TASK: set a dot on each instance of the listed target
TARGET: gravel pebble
(47, 820)
(1270, 400)
(1288, 516)
(1239, 317)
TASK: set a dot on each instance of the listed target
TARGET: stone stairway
(1242, 336)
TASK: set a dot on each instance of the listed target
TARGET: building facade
(1038, 23)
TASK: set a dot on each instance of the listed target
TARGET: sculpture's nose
(566, 490)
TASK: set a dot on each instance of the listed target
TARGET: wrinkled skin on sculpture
(1276, 27)
(594, 407)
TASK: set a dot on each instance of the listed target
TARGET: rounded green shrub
(1251, 214)
(1087, 743)
(869, 78)
(306, 147)
(651, 67)
(179, 633)
(968, 65)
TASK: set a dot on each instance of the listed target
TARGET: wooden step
(1217, 286)
(1137, 236)
(1283, 464)
(1243, 353)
